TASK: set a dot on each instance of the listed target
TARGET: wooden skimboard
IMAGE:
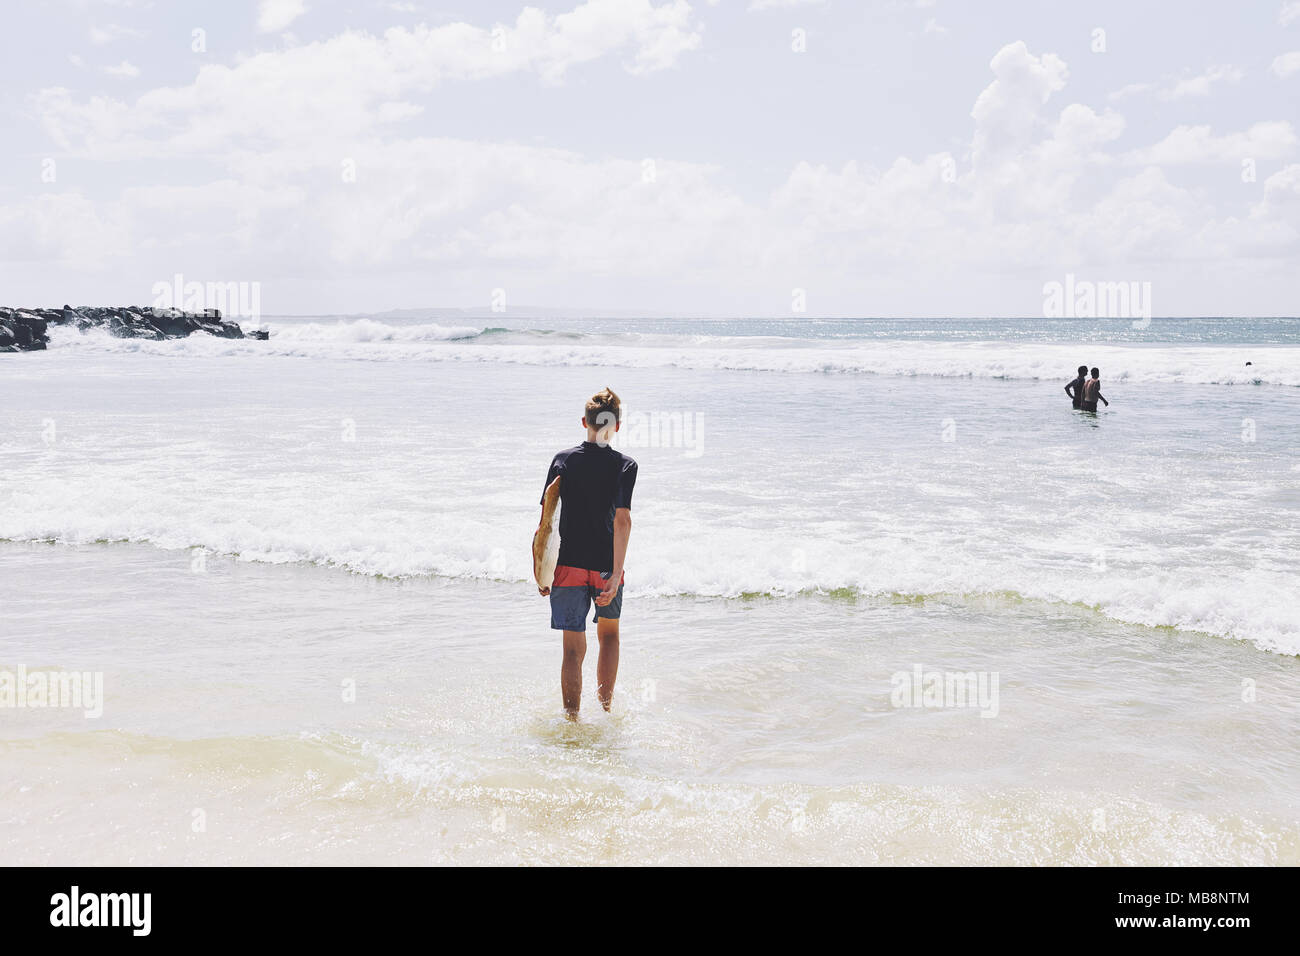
(546, 539)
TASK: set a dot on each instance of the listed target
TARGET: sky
(659, 157)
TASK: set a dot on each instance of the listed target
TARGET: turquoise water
(1186, 331)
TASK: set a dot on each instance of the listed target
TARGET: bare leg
(607, 662)
(575, 649)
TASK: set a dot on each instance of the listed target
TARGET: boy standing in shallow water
(595, 524)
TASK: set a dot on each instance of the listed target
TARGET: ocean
(302, 568)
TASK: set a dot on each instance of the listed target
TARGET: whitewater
(1016, 522)
(373, 340)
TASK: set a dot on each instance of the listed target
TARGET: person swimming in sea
(1092, 393)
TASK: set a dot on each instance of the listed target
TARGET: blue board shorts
(573, 593)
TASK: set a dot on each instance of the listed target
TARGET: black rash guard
(597, 480)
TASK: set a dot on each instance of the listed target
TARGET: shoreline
(222, 693)
(969, 600)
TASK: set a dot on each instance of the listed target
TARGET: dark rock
(21, 331)
(27, 329)
(225, 329)
(125, 325)
(36, 325)
(170, 322)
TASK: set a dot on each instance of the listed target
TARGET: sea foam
(370, 340)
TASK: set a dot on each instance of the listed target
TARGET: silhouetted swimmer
(1092, 393)
(1075, 388)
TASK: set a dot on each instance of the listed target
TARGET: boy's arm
(622, 528)
(1103, 398)
(1069, 388)
(622, 531)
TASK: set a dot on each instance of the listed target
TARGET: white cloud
(1284, 185)
(473, 207)
(275, 15)
(102, 36)
(1036, 183)
(125, 69)
(63, 227)
(781, 4)
(1188, 145)
(1132, 89)
(1286, 64)
(657, 35)
(1007, 111)
(355, 81)
(1200, 85)
(932, 26)
(1289, 13)
(1173, 88)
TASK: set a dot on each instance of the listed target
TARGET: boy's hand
(611, 589)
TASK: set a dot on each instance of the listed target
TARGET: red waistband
(567, 577)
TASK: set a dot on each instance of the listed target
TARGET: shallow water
(1127, 579)
(744, 731)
